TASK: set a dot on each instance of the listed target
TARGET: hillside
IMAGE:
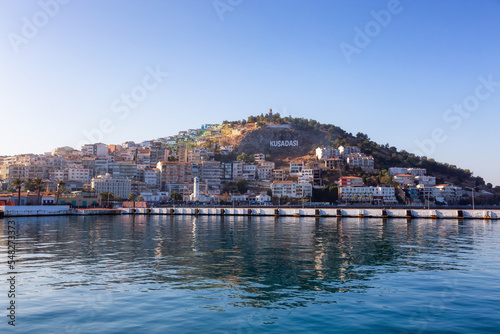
(299, 138)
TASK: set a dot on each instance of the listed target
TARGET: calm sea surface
(162, 274)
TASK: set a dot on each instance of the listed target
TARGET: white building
(426, 180)
(152, 177)
(303, 190)
(59, 174)
(404, 179)
(406, 170)
(397, 170)
(250, 172)
(346, 150)
(291, 189)
(284, 188)
(99, 149)
(106, 183)
(79, 174)
(259, 157)
(238, 169)
(383, 195)
(448, 192)
(296, 168)
(307, 176)
(366, 163)
(327, 152)
(417, 171)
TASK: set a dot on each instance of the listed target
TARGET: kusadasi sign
(284, 143)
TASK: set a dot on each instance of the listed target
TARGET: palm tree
(38, 185)
(60, 186)
(18, 183)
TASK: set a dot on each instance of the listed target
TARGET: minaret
(196, 188)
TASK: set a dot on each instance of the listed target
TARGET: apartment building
(327, 152)
(351, 181)
(107, 183)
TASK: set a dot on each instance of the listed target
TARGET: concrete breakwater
(323, 212)
(433, 213)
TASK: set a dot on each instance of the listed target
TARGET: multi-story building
(404, 179)
(379, 195)
(425, 192)
(265, 170)
(156, 153)
(211, 173)
(238, 169)
(303, 190)
(291, 189)
(259, 157)
(406, 170)
(32, 171)
(334, 163)
(317, 175)
(307, 175)
(250, 172)
(280, 175)
(227, 171)
(122, 170)
(426, 180)
(296, 168)
(346, 150)
(366, 163)
(106, 183)
(143, 157)
(11, 172)
(175, 172)
(284, 188)
(397, 170)
(351, 181)
(59, 175)
(79, 174)
(98, 149)
(448, 192)
(417, 171)
(152, 178)
(100, 166)
(327, 152)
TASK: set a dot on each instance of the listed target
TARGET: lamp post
(473, 206)
(472, 199)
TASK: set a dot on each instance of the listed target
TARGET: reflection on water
(223, 263)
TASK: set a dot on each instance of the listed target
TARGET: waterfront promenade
(374, 212)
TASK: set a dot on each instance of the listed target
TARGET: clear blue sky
(63, 74)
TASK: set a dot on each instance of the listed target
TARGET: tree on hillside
(242, 185)
(245, 157)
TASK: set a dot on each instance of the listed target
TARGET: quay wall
(35, 210)
(323, 212)
(445, 213)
